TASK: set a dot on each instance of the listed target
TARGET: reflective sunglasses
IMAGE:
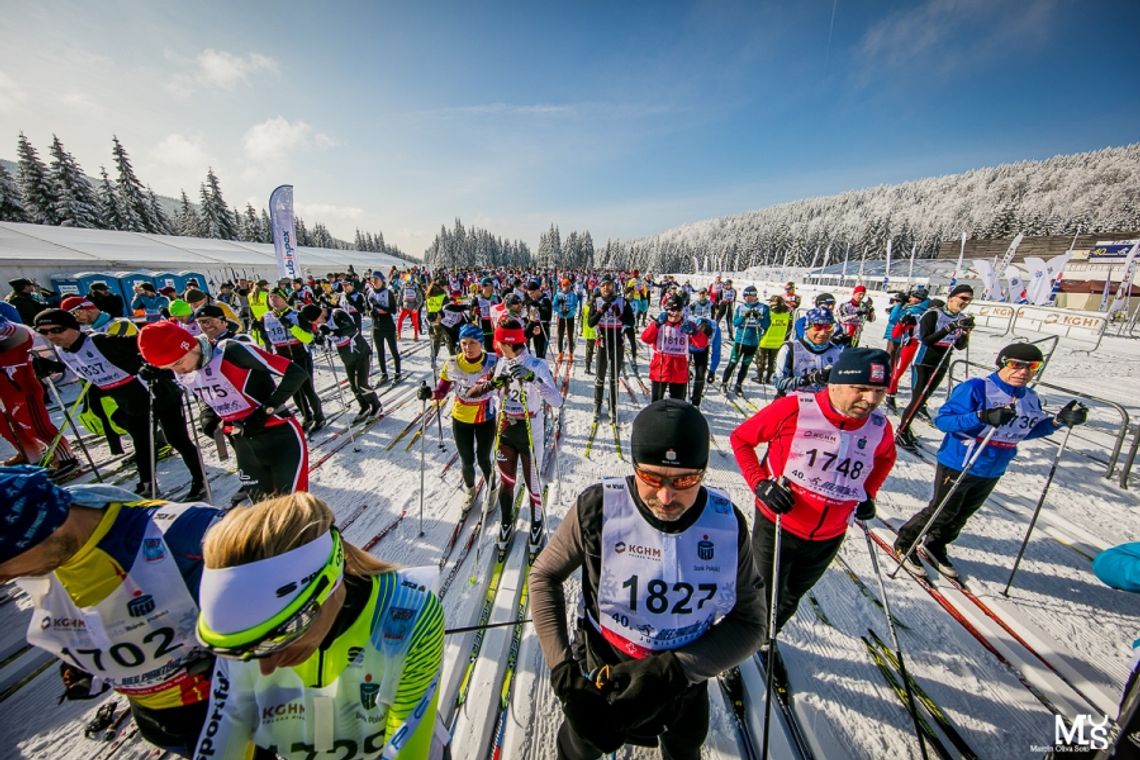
(676, 482)
(52, 330)
(295, 620)
(1032, 366)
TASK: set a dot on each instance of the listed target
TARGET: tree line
(1095, 191)
(60, 194)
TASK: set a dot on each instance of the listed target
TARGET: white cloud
(218, 69)
(276, 138)
(183, 152)
(12, 96)
(227, 70)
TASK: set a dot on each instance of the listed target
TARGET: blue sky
(621, 118)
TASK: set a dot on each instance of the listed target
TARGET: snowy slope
(839, 693)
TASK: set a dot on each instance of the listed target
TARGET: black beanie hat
(1026, 352)
(311, 313)
(670, 433)
(56, 317)
(960, 289)
(862, 366)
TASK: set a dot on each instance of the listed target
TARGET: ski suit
(290, 340)
(774, 337)
(514, 423)
(958, 418)
(234, 384)
(610, 628)
(706, 359)
(797, 358)
(818, 450)
(937, 332)
(411, 299)
(25, 421)
(751, 321)
(669, 367)
(136, 582)
(370, 690)
(382, 301)
(472, 417)
(565, 305)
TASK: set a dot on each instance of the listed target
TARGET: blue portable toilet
(203, 282)
(127, 282)
(165, 279)
(87, 279)
(66, 285)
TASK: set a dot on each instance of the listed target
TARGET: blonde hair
(275, 526)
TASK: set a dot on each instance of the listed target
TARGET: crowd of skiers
(232, 616)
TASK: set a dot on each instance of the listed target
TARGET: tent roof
(72, 247)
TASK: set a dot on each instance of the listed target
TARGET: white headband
(234, 599)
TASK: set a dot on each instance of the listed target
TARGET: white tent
(39, 251)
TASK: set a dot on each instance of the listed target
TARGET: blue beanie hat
(819, 316)
(474, 332)
(32, 507)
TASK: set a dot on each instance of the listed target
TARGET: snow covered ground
(1081, 628)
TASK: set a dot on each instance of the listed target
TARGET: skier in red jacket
(671, 335)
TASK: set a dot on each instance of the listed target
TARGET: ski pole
(153, 440)
(945, 499)
(490, 490)
(895, 641)
(423, 421)
(50, 451)
(1037, 510)
(198, 447)
(485, 626)
(537, 517)
(74, 430)
(917, 404)
(340, 393)
(774, 597)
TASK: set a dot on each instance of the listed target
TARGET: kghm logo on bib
(637, 550)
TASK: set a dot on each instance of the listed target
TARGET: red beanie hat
(165, 342)
(859, 289)
(512, 336)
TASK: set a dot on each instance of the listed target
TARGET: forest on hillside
(1096, 191)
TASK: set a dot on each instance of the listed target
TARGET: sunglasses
(1016, 364)
(820, 326)
(52, 330)
(675, 483)
(295, 624)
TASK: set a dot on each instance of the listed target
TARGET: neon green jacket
(372, 692)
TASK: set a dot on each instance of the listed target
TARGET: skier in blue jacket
(1001, 402)
(704, 360)
(750, 320)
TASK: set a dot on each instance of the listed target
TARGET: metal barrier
(1062, 323)
(1119, 436)
(1129, 460)
(993, 315)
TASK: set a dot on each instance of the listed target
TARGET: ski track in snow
(838, 692)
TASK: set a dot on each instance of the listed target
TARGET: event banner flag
(1124, 292)
(989, 279)
(958, 266)
(1017, 293)
(1055, 271)
(1039, 285)
(887, 271)
(284, 237)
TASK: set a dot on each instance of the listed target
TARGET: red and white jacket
(670, 362)
(815, 515)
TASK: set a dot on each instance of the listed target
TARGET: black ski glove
(585, 708)
(254, 423)
(520, 372)
(77, 683)
(43, 366)
(865, 510)
(210, 426)
(964, 323)
(149, 373)
(1072, 413)
(639, 689)
(775, 496)
(998, 415)
(324, 330)
(423, 393)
